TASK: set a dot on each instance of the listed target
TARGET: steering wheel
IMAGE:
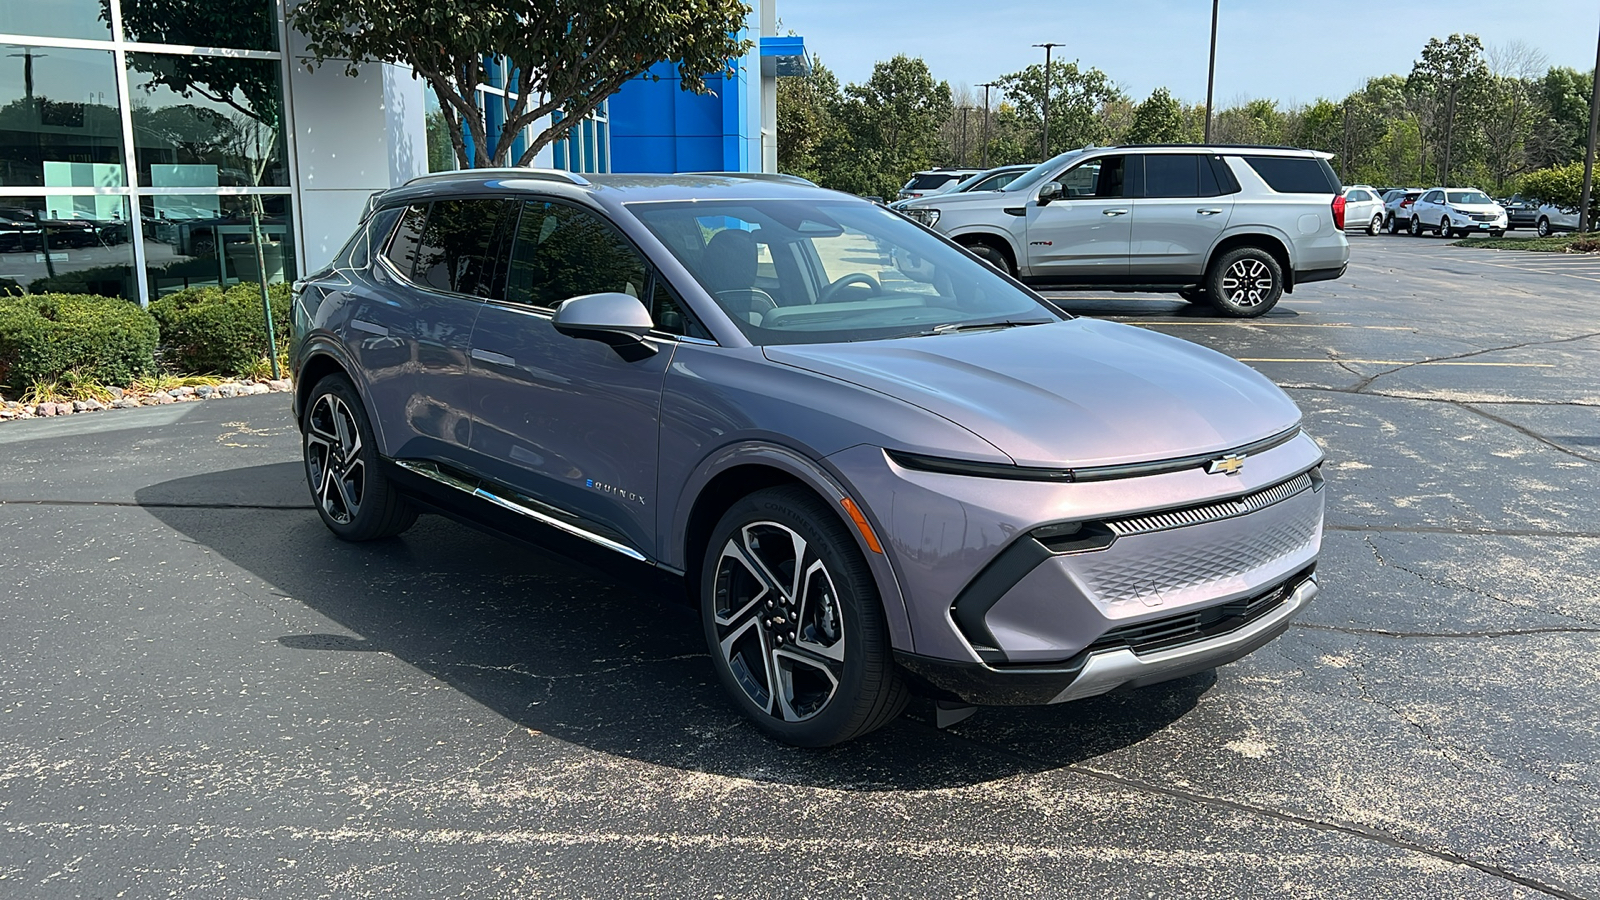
(831, 293)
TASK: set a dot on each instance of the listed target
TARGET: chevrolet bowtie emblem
(1232, 464)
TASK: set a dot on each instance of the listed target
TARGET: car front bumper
(1192, 570)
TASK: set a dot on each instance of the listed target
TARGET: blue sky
(1290, 50)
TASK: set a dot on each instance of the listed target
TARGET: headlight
(928, 217)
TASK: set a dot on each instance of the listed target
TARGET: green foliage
(43, 337)
(1560, 186)
(565, 57)
(1077, 97)
(1449, 86)
(1158, 120)
(98, 280)
(207, 329)
(441, 156)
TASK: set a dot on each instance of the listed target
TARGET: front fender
(821, 477)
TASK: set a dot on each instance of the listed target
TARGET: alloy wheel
(333, 453)
(779, 626)
(1247, 283)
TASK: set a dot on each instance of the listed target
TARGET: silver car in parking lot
(875, 464)
(1363, 209)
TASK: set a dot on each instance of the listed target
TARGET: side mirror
(610, 318)
(1051, 191)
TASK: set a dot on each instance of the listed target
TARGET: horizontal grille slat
(1187, 628)
(1211, 512)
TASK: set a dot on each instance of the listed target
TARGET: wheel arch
(742, 469)
(991, 238)
(1274, 245)
(320, 358)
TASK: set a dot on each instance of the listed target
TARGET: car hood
(1075, 393)
(949, 199)
(1478, 207)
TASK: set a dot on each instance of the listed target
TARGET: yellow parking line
(1401, 362)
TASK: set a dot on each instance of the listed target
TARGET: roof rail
(561, 175)
(1216, 146)
(759, 176)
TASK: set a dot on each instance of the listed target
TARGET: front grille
(1212, 512)
(1187, 628)
(1484, 217)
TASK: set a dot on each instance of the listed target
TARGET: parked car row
(1450, 212)
(25, 230)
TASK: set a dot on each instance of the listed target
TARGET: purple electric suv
(877, 464)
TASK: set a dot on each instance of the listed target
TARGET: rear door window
(1295, 174)
(459, 251)
(563, 252)
(1174, 175)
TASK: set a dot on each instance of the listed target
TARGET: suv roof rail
(1215, 146)
(504, 172)
(760, 176)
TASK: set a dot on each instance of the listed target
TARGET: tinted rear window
(1295, 174)
(929, 182)
(459, 249)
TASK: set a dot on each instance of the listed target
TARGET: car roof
(1253, 149)
(607, 189)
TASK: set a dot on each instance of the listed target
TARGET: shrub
(43, 337)
(207, 329)
(1560, 186)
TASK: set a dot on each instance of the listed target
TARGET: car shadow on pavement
(593, 660)
(1134, 306)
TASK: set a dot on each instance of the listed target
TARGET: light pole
(1046, 138)
(986, 87)
(1211, 71)
(1594, 133)
(964, 111)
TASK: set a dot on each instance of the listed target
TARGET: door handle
(1113, 212)
(492, 358)
(1209, 212)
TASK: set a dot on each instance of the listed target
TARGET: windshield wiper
(953, 327)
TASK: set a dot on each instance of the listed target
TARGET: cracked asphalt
(202, 694)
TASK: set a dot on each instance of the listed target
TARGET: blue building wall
(657, 126)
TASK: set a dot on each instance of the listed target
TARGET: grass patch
(1556, 243)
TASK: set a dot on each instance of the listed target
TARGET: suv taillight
(1338, 213)
(1407, 202)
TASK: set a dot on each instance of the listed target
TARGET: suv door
(1180, 217)
(572, 423)
(1086, 234)
(442, 260)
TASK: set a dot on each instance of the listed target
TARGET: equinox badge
(1232, 464)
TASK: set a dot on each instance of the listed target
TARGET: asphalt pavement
(202, 694)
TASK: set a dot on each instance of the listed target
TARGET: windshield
(1469, 197)
(1043, 171)
(928, 181)
(802, 271)
(988, 181)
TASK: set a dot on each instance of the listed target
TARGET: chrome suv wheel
(794, 623)
(1245, 282)
(352, 496)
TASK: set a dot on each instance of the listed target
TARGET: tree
(1447, 87)
(1250, 122)
(889, 128)
(1077, 98)
(1158, 120)
(1560, 186)
(1563, 131)
(560, 56)
(806, 123)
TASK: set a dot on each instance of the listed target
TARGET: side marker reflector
(861, 524)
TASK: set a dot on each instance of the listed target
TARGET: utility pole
(1211, 71)
(964, 111)
(986, 86)
(1046, 138)
(1584, 224)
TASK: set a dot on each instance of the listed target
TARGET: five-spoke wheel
(352, 496)
(793, 622)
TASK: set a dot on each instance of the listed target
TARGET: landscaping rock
(257, 389)
(116, 393)
(8, 414)
(205, 391)
(46, 409)
(282, 384)
(93, 405)
(160, 398)
(125, 403)
(186, 391)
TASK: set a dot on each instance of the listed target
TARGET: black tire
(1244, 283)
(994, 256)
(777, 648)
(1444, 228)
(1497, 232)
(1375, 226)
(343, 470)
(1415, 228)
(1392, 225)
(1543, 229)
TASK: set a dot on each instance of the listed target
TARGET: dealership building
(139, 142)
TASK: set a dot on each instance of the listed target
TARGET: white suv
(1449, 212)
(1237, 227)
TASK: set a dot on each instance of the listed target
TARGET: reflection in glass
(206, 121)
(73, 245)
(237, 24)
(59, 125)
(85, 19)
(194, 239)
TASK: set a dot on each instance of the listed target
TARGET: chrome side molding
(433, 472)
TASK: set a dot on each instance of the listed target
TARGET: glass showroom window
(83, 19)
(59, 124)
(208, 239)
(207, 121)
(235, 24)
(67, 244)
